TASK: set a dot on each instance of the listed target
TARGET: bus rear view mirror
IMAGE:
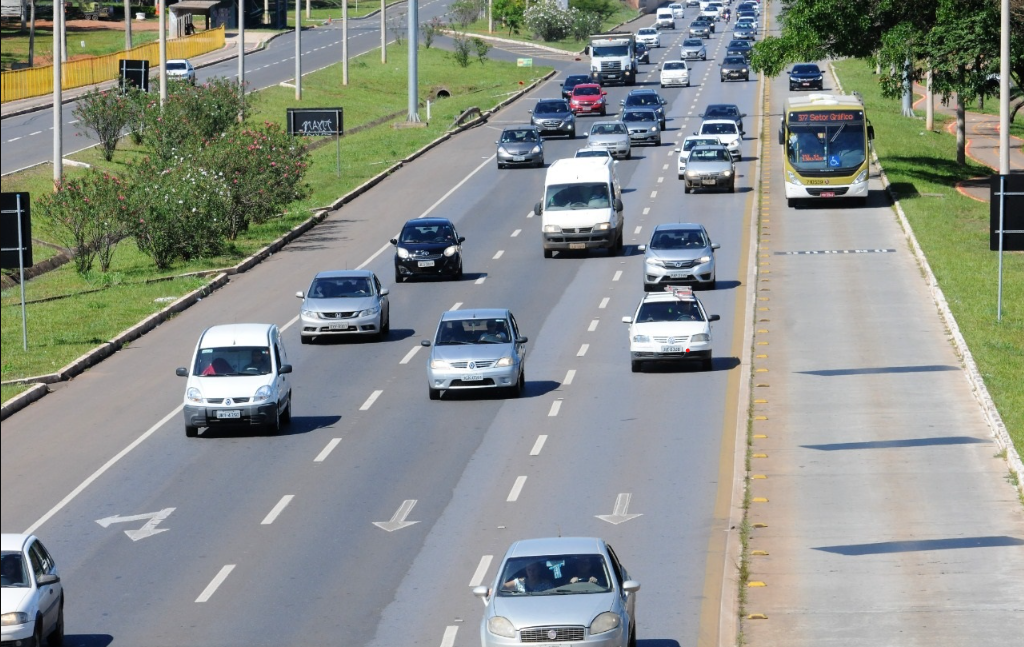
(871, 132)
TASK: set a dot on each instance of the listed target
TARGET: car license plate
(577, 245)
(678, 275)
(828, 194)
(671, 349)
(709, 182)
(472, 378)
(338, 326)
(518, 158)
(805, 84)
(227, 415)
(425, 264)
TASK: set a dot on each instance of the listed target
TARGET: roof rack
(680, 292)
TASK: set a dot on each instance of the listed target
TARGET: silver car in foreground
(344, 302)
(560, 591)
(611, 136)
(679, 253)
(476, 349)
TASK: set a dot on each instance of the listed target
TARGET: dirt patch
(80, 26)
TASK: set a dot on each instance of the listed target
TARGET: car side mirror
(743, 114)
(530, 111)
(425, 342)
(497, 142)
(871, 132)
(47, 578)
(394, 241)
(627, 320)
(641, 248)
(285, 368)
(384, 292)
(604, 93)
(300, 295)
(631, 586)
(181, 371)
(462, 239)
(522, 340)
(714, 318)
(715, 246)
(788, 72)
(537, 209)
(618, 204)
(622, 102)
(481, 592)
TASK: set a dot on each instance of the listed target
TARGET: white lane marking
(458, 304)
(498, 254)
(322, 456)
(370, 400)
(654, 194)
(480, 280)
(531, 214)
(218, 579)
(481, 570)
(664, 167)
(539, 445)
(73, 122)
(456, 187)
(637, 230)
(13, 139)
(555, 407)
(569, 375)
(448, 640)
(670, 153)
(661, 179)
(647, 210)
(617, 276)
(604, 303)
(410, 354)
(583, 350)
(290, 323)
(593, 325)
(106, 466)
(516, 233)
(38, 132)
(517, 487)
(281, 505)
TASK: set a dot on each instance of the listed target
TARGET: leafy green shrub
(547, 21)
(430, 30)
(462, 47)
(106, 113)
(481, 47)
(464, 12)
(509, 13)
(192, 115)
(584, 23)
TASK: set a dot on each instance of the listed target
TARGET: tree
(510, 14)
(603, 8)
(106, 113)
(465, 12)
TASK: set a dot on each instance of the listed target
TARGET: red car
(588, 98)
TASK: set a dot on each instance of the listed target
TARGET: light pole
(383, 32)
(344, 42)
(298, 50)
(241, 48)
(162, 9)
(413, 38)
(58, 134)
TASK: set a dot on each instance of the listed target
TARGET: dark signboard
(15, 209)
(134, 73)
(315, 121)
(827, 117)
(1013, 213)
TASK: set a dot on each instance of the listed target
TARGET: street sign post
(16, 243)
(318, 122)
(1006, 222)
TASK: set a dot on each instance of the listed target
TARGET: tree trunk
(127, 25)
(32, 33)
(961, 135)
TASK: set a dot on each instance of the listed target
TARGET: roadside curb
(971, 372)
(101, 352)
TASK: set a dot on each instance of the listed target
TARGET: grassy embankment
(62, 329)
(568, 44)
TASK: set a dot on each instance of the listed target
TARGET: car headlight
(793, 178)
(654, 129)
(744, 70)
(552, 229)
(861, 177)
(641, 339)
(14, 618)
(692, 174)
(701, 336)
(704, 259)
(536, 150)
(817, 78)
(194, 395)
(603, 226)
(504, 362)
(726, 173)
(502, 151)
(311, 314)
(438, 363)
(450, 250)
(656, 262)
(500, 626)
(262, 394)
(604, 622)
(403, 252)
(369, 312)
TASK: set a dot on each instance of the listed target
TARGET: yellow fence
(38, 81)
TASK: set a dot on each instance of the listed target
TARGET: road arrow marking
(398, 521)
(620, 513)
(148, 530)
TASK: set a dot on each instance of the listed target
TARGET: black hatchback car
(725, 111)
(806, 76)
(739, 48)
(572, 81)
(428, 247)
(735, 67)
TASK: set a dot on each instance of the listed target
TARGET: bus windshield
(837, 148)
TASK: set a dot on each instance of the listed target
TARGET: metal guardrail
(38, 81)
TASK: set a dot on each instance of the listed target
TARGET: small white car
(677, 10)
(181, 70)
(33, 595)
(675, 73)
(670, 326)
(649, 36)
(688, 144)
(727, 132)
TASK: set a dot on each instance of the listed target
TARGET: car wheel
(56, 637)
(721, 80)
(604, 112)
(635, 366)
(746, 78)
(681, 176)
(791, 203)
(662, 86)
(398, 276)
(286, 417)
(305, 339)
(572, 135)
(686, 188)
(273, 427)
(37, 635)
(458, 274)
(191, 432)
(648, 287)
(632, 637)
(706, 364)
(732, 187)
(435, 394)
(385, 327)
(500, 166)
(516, 390)
(629, 154)
(548, 253)
(540, 163)
(658, 142)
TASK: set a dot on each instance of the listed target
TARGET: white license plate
(709, 182)
(227, 415)
(806, 84)
(339, 326)
(472, 378)
(678, 275)
(671, 349)
(425, 264)
(518, 158)
(577, 245)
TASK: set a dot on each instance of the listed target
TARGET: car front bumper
(248, 414)
(566, 127)
(655, 354)
(806, 85)
(579, 241)
(644, 137)
(615, 638)
(441, 266)
(858, 190)
(589, 108)
(464, 378)
(655, 275)
(618, 149)
(681, 81)
(314, 326)
(735, 75)
(527, 159)
(694, 56)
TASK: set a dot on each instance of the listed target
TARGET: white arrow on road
(398, 521)
(619, 514)
(148, 530)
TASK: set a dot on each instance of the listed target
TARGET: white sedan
(670, 326)
(649, 36)
(675, 73)
(33, 596)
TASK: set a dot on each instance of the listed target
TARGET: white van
(665, 19)
(582, 206)
(238, 377)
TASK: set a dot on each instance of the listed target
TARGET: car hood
(640, 125)
(676, 72)
(709, 167)
(588, 98)
(15, 599)
(347, 304)
(678, 254)
(546, 116)
(229, 386)
(471, 352)
(541, 610)
(670, 328)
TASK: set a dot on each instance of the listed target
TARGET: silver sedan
(476, 349)
(344, 302)
(612, 136)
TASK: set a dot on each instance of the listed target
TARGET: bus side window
(782, 128)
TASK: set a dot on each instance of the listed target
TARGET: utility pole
(344, 42)
(241, 48)
(413, 38)
(161, 6)
(58, 133)
(490, 16)
(298, 50)
(383, 32)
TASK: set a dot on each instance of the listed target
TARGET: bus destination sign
(827, 117)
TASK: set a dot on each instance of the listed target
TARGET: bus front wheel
(791, 203)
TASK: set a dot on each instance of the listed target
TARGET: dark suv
(571, 82)
(646, 98)
(554, 116)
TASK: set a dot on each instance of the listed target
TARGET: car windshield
(587, 92)
(12, 571)
(554, 575)
(472, 331)
(710, 155)
(589, 195)
(693, 42)
(739, 44)
(642, 100)
(639, 115)
(420, 234)
(610, 50)
(716, 112)
(675, 310)
(608, 129)
(806, 69)
(511, 136)
(718, 129)
(176, 67)
(549, 108)
(575, 80)
(679, 239)
(232, 360)
(674, 65)
(648, 32)
(744, 24)
(735, 60)
(337, 288)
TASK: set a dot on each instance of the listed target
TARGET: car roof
(12, 541)
(344, 274)
(553, 100)
(643, 91)
(177, 60)
(511, 127)
(475, 313)
(555, 546)
(236, 334)
(668, 295)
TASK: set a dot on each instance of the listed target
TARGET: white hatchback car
(670, 326)
(181, 70)
(727, 133)
(33, 595)
(675, 73)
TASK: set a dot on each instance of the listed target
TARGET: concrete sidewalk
(254, 41)
(982, 133)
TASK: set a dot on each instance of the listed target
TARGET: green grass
(321, 10)
(8, 392)
(374, 91)
(97, 41)
(953, 233)
(568, 44)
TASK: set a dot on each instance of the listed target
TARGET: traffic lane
(28, 139)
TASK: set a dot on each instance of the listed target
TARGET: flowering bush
(584, 23)
(106, 113)
(547, 21)
(193, 114)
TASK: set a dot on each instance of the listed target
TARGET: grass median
(84, 311)
(569, 44)
(953, 232)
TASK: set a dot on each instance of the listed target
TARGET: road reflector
(756, 584)
(759, 499)
(759, 456)
(760, 330)
(761, 385)
(764, 309)
(757, 616)
(760, 525)
(759, 476)
(760, 402)
(761, 357)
